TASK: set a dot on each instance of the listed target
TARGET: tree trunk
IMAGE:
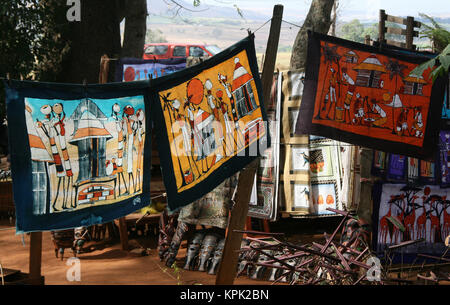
(332, 31)
(135, 28)
(317, 20)
(97, 33)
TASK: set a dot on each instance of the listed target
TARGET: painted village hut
(242, 90)
(90, 135)
(351, 57)
(413, 84)
(205, 143)
(369, 72)
(39, 159)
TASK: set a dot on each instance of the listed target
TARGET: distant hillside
(158, 7)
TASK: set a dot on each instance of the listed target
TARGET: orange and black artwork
(368, 96)
(209, 122)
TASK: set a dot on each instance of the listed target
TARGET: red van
(178, 50)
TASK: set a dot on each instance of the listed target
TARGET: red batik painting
(365, 93)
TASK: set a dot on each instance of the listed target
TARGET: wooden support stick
(228, 265)
(410, 32)
(35, 258)
(382, 26)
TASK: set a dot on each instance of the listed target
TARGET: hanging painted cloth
(264, 198)
(74, 152)
(209, 121)
(423, 212)
(135, 69)
(366, 96)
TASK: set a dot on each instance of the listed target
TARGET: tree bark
(97, 33)
(135, 28)
(317, 20)
(332, 31)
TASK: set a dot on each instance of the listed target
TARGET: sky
(350, 9)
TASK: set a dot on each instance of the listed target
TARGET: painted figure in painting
(131, 127)
(239, 135)
(120, 147)
(401, 125)
(140, 139)
(359, 110)
(215, 108)
(40, 160)
(59, 125)
(332, 93)
(349, 96)
(186, 126)
(417, 125)
(229, 136)
(204, 139)
(379, 115)
(49, 131)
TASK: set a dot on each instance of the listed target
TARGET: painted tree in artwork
(330, 56)
(396, 71)
(406, 205)
(438, 205)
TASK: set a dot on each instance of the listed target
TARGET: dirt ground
(105, 264)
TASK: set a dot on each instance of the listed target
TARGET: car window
(179, 51)
(197, 52)
(156, 50)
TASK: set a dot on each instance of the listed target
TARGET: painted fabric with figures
(423, 211)
(77, 153)
(264, 198)
(325, 175)
(210, 122)
(362, 95)
(135, 69)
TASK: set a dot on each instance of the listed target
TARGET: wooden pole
(103, 79)
(409, 32)
(35, 258)
(382, 27)
(228, 266)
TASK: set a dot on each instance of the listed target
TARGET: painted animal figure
(410, 220)
(396, 233)
(384, 227)
(435, 230)
(446, 223)
(421, 223)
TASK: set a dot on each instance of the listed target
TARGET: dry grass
(282, 62)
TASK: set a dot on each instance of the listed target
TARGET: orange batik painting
(368, 96)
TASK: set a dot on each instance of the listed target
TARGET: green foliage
(155, 36)
(30, 40)
(356, 31)
(353, 31)
(440, 63)
(436, 33)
